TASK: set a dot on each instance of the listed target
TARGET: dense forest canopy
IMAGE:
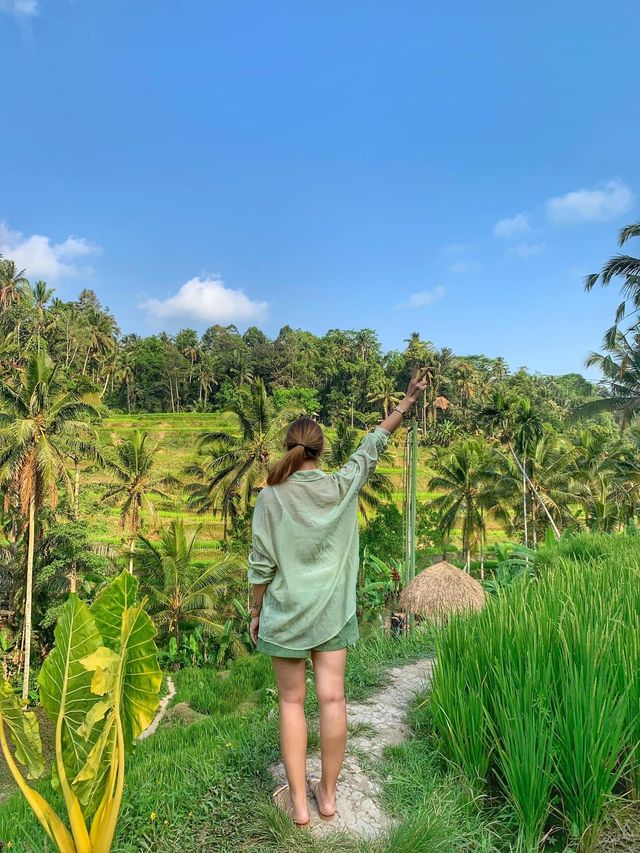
(343, 373)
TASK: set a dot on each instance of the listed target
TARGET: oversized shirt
(305, 547)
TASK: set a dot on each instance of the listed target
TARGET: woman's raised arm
(415, 390)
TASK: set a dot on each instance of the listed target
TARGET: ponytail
(304, 440)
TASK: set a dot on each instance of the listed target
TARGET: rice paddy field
(176, 437)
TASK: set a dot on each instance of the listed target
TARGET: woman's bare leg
(292, 690)
(329, 672)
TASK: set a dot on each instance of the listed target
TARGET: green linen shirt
(305, 547)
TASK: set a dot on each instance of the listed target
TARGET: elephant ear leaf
(65, 684)
(109, 607)
(23, 731)
(128, 631)
(141, 677)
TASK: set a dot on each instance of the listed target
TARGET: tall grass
(537, 698)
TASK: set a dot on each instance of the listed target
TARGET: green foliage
(99, 685)
(304, 400)
(382, 535)
(67, 560)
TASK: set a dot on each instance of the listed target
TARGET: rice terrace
(297, 557)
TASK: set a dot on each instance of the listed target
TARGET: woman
(304, 567)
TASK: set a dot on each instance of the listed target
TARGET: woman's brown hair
(304, 440)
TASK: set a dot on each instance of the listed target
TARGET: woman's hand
(253, 629)
(417, 384)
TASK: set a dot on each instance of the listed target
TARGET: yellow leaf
(95, 713)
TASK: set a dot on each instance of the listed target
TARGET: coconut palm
(12, 283)
(180, 592)
(527, 430)
(513, 421)
(621, 368)
(100, 340)
(549, 466)
(384, 391)
(136, 480)
(627, 268)
(378, 487)
(40, 419)
(474, 485)
(206, 375)
(234, 465)
(37, 296)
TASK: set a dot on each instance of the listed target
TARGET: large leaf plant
(100, 688)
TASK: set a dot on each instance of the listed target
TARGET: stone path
(162, 710)
(359, 810)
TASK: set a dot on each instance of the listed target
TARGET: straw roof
(440, 590)
(442, 403)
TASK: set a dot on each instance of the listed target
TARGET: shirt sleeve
(363, 461)
(262, 566)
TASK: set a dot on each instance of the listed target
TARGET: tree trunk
(28, 599)
(524, 503)
(131, 550)
(541, 503)
(73, 578)
(76, 490)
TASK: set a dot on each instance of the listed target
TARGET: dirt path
(359, 810)
(162, 710)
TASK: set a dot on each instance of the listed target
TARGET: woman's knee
(293, 696)
(330, 695)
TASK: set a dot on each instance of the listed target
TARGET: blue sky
(451, 169)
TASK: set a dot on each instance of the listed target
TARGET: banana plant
(100, 688)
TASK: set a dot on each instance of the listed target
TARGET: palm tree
(40, 419)
(528, 429)
(12, 283)
(179, 591)
(101, 329)
(550, 464)
(136, 476)
(206, 373)
(473, 480)
(384, 392)
(627, 268)
(37, 296)
(621, 369)
(378, 486)
(236, 465)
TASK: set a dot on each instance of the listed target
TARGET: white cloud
(207, 300)
(423, 297)
(526, 250)
(606, 201)
(40, 257)
(511, 227)
(465, 266)
(24, 8)
(454, 249)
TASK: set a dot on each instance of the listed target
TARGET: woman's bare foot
(326, 801)
(299, 813)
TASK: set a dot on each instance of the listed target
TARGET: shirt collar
(308, 474)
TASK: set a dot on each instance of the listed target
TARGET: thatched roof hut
(440, 590)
